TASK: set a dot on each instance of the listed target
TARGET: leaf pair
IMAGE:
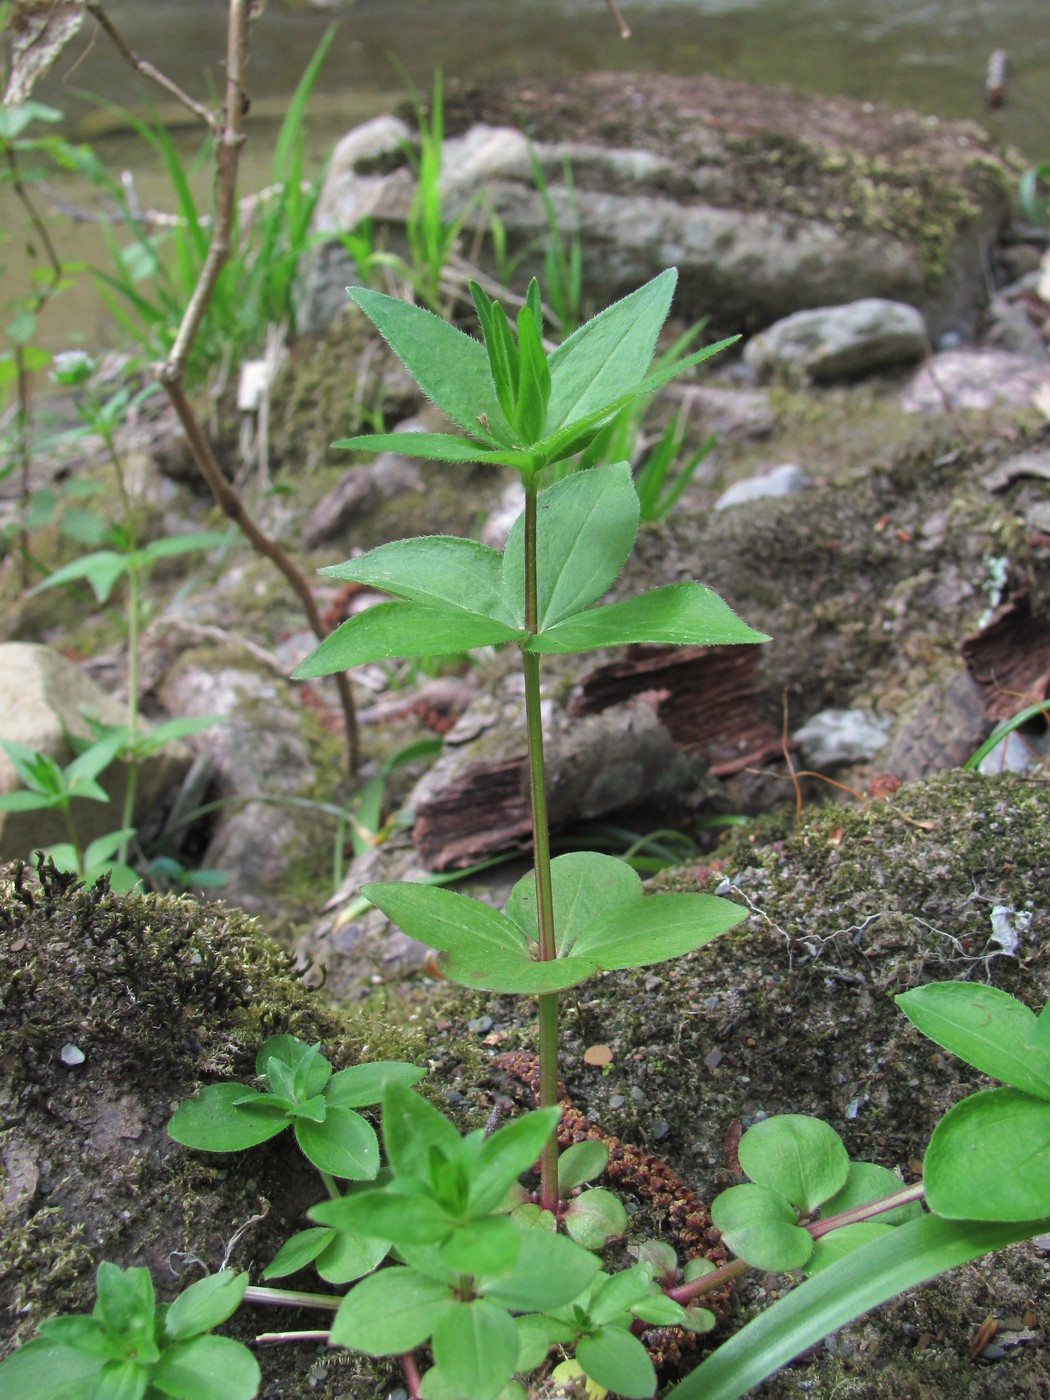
(989, 1156)
(299, 1090)
(520, 408)
(457, 594)
(798, 1164)
(603, 921)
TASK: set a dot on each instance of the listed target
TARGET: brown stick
(229, 134)
(147, 70)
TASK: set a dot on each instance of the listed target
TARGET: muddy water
(932, 56)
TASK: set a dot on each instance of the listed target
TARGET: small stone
(712, 1059)
(638, 1095)
(617, 1101)
(661, 1128)
(786, 480)
(480, 1025)
(72, 1055)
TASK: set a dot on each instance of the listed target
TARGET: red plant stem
(411, 1370)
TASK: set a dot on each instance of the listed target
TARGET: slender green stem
(74, 836)
(289, 1298)
(548, 1003)
(131, 782)
(330, 1186)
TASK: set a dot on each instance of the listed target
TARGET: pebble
(786, 480)
(72, 1055)
(480, 1025)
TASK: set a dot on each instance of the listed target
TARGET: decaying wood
(1010, 659)
(706, 697)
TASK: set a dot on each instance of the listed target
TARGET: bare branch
(147, 69)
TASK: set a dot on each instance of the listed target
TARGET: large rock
(43, 700)
(768, 202)
(839, 342)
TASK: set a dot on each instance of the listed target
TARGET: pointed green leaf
(170, 545)
(298, 1251)
(617, 1361)
(659, 377)
(208, 1368)
(357, 1086)
(411, 1126)
(656, 927)
(801, 1158)
(390, 1312)
(500, 348)
(984, 1026)
(439, 447)
(505, 1154)
(101, 569)
(121, 1380)
(450, 367)
(534, 382)
(205, 1304)
(608, 355)
(212, 1122)
(587, 886)
(344, 1145)
(485, 1245)
(476, 1347)
(126, 1301)
(401, 629)
(585, 527)
(434, 569)
(299, 1059)
(48, 1371)
(583, 1161)
(989, 1158)
(682, 614)
(444, 919)
(759, 1225)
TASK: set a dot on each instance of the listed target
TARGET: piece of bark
(706, 696)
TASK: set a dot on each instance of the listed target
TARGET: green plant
(562, 254)
(135, 1349)
(1034, 201)
(1003, 730)
(529, 411)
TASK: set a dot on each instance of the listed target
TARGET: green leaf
(396, 1217)
(485, 1245)
(350, 1256)
(901, 1259)
(595, 1217)
(310, 1071)
(401, 629)
(101, 569)
(656, 927)
(298, 1251)
(208, 1368)
(48, 1371)
(867, 1181)
(759, 1225)
(479, 947)
(581, 1162)
(205, 1304)
(614, 1295)
(126, 1302)
(390, 1312)
(550, 1272)
(802, 1158)
(87, 1334)
(435, 569)
(450, 367)
(608, 355)
(500, 348)
(505, 1154)
(411, 1127)
(440, 447)
(838, 1243)
(534, 379)
(618, 1361)
(168, 546)
(162, 734)
(659, 1311)
(989, 1158)
(984, 1026)
(121, 1380)
(585, 527)
(682, 614)
(212, 1122)
(587, 888)
(344, 1145)
(357, 1086)
(476, 1347)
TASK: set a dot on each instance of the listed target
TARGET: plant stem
(288, 1298)
(411, 1370)
(686, 1293)
(868, 1211)
(269, 1339)
(330, 1186)
(131, 780)
(548, 1002)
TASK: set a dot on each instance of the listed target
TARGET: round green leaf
(759, 1225)
(344, 1145)
(595, 1217)
(550, 1272)
(802, 1158)
(581, 1162)
(205, 1304)
(212, 1121)
(989, 1158)
(350, 1256)
(984, 1026)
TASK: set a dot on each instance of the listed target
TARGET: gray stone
(786, 480)
(839, 342)
(836, 737)
(1009, 328)
(974, 379)
(43, 697)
